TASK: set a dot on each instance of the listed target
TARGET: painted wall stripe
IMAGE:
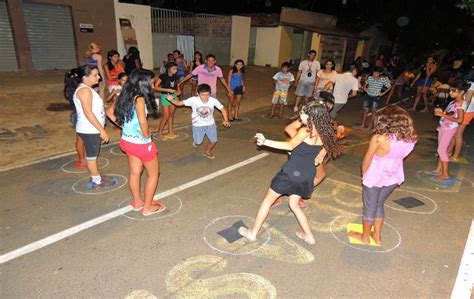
(465, 279)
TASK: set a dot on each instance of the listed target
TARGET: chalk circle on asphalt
(173, 204)
(391, 237)
(115, 150)
(81, 185)
(179, 136)
(239, 247)
(428, 208)
(69, 167)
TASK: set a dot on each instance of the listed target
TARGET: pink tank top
(388, 170)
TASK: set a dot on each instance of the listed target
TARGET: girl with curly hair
(136, 100)
(382, 167)
(296, 177)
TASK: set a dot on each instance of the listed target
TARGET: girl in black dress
(296, 177)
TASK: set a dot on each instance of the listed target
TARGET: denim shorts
(370, 102)
(201, 131)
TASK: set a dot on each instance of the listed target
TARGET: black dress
(296, 176)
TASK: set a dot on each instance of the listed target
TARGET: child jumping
(382, 167)
(283, 81)
(296, 178)
(451, 117)
(203, 117)
(130, 112)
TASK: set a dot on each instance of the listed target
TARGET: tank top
(236, 80)
(114, 74)
(388, 170)
(92, 62)
(181, 69)
(131, 130)
(300, 164)
(83, 125)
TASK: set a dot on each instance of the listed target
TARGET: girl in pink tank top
(382, 168)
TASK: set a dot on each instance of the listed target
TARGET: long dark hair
(319, 119)
(234, 68)
(110, 54)
(133, 51)
(73, 78)
(138, 85)
(200, 57)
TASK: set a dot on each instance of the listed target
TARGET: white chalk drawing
(76, 187)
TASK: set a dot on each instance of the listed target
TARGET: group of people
(313, 135)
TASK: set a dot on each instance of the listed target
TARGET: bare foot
(412, 109)
(245, 232)
(441, 178)
(359, 237)
(424, 110)
(137, 204)
(307, 239)
(378, 241)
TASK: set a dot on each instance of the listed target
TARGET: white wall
(267, 49)
(240, 38)
(140, 17)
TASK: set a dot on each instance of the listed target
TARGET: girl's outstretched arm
(284, 145)
(373, 146)
(292, 129)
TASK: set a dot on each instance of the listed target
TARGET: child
(373, 88)
(382, 167)
(197, 61)
(202, 117)
(167, 84)
(400, 82)
(296, 176)
(283, 81)
(112, 97)
(468, 106)
(130, 112)
(112, 70)
(235, 79)
(452, 116)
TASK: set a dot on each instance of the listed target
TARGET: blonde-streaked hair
(90, 49)
(395, 121)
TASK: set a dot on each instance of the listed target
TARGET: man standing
(208, 73)
(305, 78)
(343, 84)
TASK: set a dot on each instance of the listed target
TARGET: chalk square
(356, 227)
(409, 202)
(231, 234)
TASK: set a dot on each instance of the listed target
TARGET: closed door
(8, 60)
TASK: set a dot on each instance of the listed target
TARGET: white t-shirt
(469, 108)
(202, 112)
(283, 80)
(306, 67)
(83, 125)
(344, 83)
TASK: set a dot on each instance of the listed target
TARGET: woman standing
(112, 70)
(130, 112)
(132, 60)
(424, 79)
(324, 76)
(94, 59)
(235, 80)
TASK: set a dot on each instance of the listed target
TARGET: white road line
(465, 279)
(83, 226)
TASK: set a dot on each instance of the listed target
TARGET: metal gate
(212, 34)
(51, 35)
(8, 60)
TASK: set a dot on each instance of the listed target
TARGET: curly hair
(319, 119)
(138, 85)
(395, 121)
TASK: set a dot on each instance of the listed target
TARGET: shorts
(164, 101)
(200, 131)
(238, 91)
(467, 118)
(92, 145)
(370, 102)
(194, 78)
(304, 89)
(425, 82)
(374, 200)
(146, 152)
(280, 97)
(114, 87)
(337, 107)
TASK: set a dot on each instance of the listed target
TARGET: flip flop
(135, 208)
(210, 157)
(160, 209)
(302, 236)
(430, 172)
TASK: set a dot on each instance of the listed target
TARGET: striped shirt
(375, 86)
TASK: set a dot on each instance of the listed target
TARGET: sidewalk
(34, 116)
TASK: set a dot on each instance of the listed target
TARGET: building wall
(316, 45)
(268, 46)
(240, 39)
(98, 13)
(304, 17)
(140, 17)
(286, 44)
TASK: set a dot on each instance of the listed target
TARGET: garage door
(51, 36)
(8, 60)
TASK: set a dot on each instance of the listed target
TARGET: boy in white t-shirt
(203, 118)
(283, 81)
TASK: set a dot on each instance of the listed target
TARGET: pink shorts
(467, 118)
(146, 152)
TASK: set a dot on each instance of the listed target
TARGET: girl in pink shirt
(382, 167)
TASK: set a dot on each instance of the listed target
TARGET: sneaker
(105, 182)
